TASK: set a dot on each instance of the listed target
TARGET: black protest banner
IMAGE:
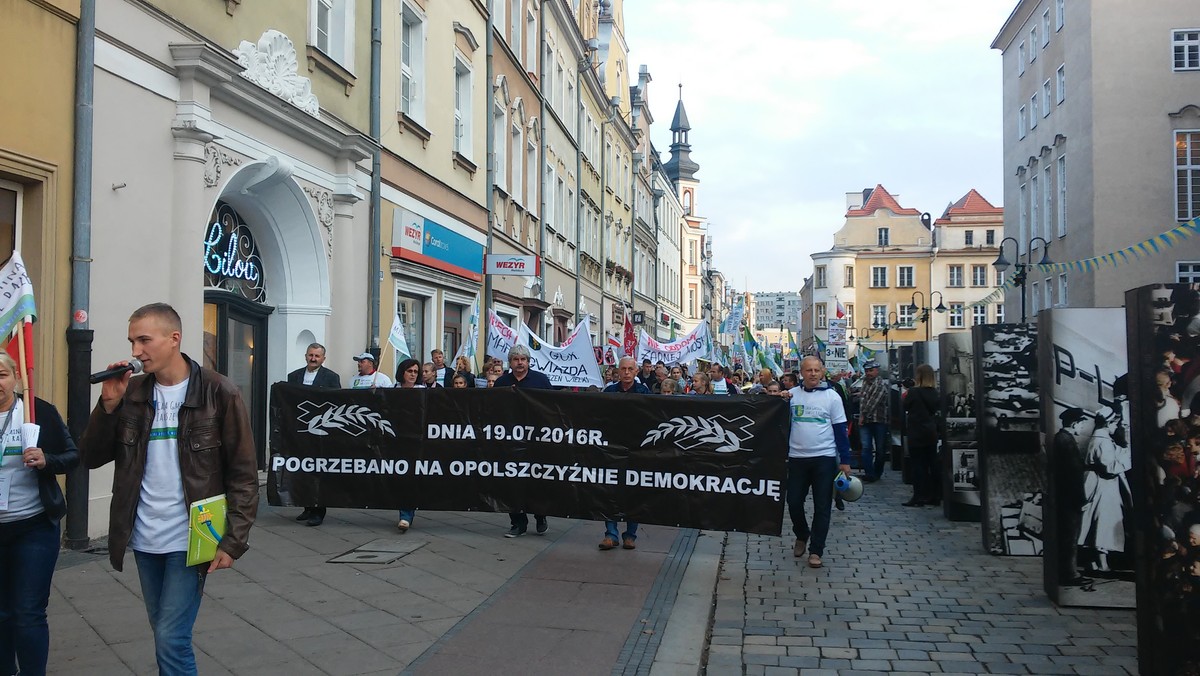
(715, 463)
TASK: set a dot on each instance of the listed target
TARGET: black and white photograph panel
(1164, 401)
(1008, 357)
(1088, 503)
(959, 449)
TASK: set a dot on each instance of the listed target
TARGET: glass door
(235, 344)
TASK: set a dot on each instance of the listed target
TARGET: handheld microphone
(134, 365)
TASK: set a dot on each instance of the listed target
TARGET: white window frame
(499, 11)
(1022, 122)
(950, 275)
(1046, 92)
(1045, 28)
(999, 313)
(1033, 111)
(878, 271)
(878, 315)
(912, 276)
(1186, 40)
(1187, 272)
(1062, 289)
(1047, 293)
(516, 141)
(463, 94)
(516, 29)
(978, 279)
(978, 315)
(500, 152)
(989, 237)
(531, 165)
(1022, 214)
(1035, 297)
(955, 318)
(1060, 11)
(1061, 166)
(849, 277)
(1021, 59)
(1187, 206)
(1060, 83)
(414, 67)
(821, 311)
(968, 238)
(1035, 201)
(1033, 51)
(337, 41)
(905, 317)
(531, 41)
(1047, 203)
(883, 237)
(819, 277)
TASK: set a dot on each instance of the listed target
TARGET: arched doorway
(235, 313)
(252, 326)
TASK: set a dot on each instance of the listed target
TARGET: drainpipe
(613, 105)
(485, 315)
(580, 68)
(79, 336)
(542, 164)
(374, 273)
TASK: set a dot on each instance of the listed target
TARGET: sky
(794, 103)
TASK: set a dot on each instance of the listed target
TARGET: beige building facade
(1101, 132)
(247, 183)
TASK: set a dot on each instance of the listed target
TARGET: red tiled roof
(971, 204)
(881, 199)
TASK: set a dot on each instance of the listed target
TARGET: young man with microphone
(177, 435)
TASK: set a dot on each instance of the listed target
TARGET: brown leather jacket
(216, 454)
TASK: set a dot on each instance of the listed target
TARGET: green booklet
(206, 526)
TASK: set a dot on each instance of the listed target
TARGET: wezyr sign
(511, 264)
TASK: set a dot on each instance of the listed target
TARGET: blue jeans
(28, 552)
(172, 591)
(611, 530)
(407, 515)
(875, 447)
(816, 474)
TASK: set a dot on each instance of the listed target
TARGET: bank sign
(418, 239)
(511, 264)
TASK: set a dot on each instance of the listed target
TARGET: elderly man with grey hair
(519, 375)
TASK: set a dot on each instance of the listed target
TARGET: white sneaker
(403, 525)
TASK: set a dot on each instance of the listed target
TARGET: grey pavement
(902, 591)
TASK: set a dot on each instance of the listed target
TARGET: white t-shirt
(813, 416)
(719, 387)
(24, 499)
(376, 379)
(161, 525)
(441, 375)
(310, 377)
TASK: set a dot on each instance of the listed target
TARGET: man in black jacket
(316, 375)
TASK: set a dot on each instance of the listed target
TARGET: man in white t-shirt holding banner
(818, 447)
(177, 435)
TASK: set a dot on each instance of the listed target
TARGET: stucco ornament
(214, 158)
(324, 211)
(272, 65)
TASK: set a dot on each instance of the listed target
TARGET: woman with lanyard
(31, 505)
(408, 372)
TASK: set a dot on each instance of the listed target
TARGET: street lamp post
(912, 308)
(1021, 270)
(885, 326)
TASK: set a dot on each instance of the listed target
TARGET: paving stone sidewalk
(903, 591)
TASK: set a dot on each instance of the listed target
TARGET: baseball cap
(871, 364)
(366, 355)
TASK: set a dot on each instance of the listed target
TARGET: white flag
(397, 340)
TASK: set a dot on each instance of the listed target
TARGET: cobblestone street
(902, 590)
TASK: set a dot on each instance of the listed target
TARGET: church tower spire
(681, 166)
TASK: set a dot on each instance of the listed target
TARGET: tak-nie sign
(511, 264)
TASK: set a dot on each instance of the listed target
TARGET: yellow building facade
(37, 99)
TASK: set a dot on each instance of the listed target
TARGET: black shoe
(305, 515)
(315, 520)
(913, 503)
(839, 503)
(515, 532)
(542, 526)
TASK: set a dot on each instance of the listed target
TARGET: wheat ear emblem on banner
(691, 431)
(345, 417)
